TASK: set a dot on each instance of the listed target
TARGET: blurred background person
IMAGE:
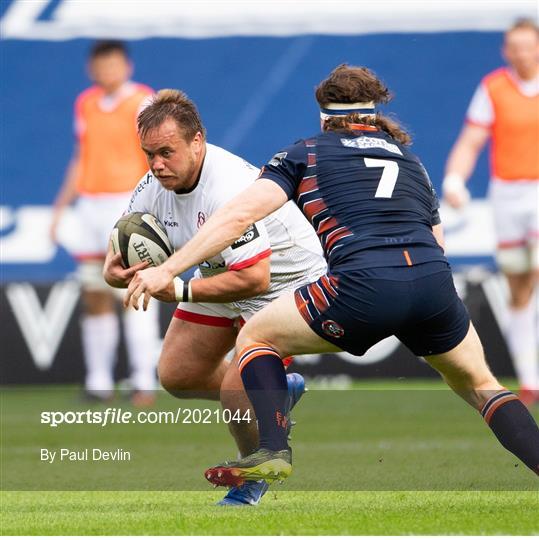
(107, 163)
(505, 110)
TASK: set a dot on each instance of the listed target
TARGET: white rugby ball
(140, 237)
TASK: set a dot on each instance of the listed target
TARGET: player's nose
(157, 164)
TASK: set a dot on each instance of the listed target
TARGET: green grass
(385, 458)
(291, 513)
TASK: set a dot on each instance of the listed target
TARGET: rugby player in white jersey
(188, 181)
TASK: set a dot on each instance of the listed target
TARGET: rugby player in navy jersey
(376, 213)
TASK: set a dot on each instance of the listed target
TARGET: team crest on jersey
(277, 158)
(333, 329)
(169, 221)
(248, 236)
(201, 219)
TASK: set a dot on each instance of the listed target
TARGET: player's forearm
(220, 231)
(227, 287)
(463, 157)
(68, 191)
(227, 224)
(461, 161)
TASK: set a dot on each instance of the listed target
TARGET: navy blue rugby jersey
(368, 197)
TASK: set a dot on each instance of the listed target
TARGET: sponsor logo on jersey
(201, 219)
(371, 142)
(169, 221)
(212, 265)
(140, 187)
(333, 329)
(277, 158)
(248, 236)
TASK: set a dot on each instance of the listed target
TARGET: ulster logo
(333, 329)
(201, 219)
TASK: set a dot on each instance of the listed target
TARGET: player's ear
(198, 141)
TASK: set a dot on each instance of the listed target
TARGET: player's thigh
(465, 369)
(97, 296)
(515, 214)
(192, 352)
(281, 326)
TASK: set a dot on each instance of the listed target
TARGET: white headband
(343, 109)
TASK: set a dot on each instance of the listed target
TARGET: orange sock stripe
(254, 351)
(497, 404)
(488, 403)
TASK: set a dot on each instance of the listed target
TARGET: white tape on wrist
(178, 289)
(190, 292)
(453, 183)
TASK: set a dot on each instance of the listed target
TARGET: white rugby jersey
(285, 235)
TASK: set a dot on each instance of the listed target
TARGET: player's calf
(465, 370)
(514, 427)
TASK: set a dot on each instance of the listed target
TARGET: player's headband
(342, 109)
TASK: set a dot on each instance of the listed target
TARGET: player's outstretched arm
(66, 195)
(461, 163)
(220, 231)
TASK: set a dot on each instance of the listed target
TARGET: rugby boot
(264, 464)
(248, 493)
(296, 389)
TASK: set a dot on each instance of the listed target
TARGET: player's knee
(245, 338)
(252, 334)
(521, 297)
(97, 302)
(175, 380)
(514, 260)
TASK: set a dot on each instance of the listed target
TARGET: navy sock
(264, 379)
(514, 427)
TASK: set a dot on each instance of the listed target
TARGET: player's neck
(362, 127)
(528, 74)
(113, 92)
(196, 175)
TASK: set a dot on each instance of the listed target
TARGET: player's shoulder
(148, 183)
(297, 151)
(143, 89)
(495, 77)
(89, 94)
(219, 162)
(147, 189)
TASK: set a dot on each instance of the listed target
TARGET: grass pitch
(290, 513)
(425, 466)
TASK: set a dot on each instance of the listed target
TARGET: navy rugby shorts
(356, 309)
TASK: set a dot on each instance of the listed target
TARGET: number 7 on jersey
(389, 176)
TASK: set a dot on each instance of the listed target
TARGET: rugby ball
(140, 237)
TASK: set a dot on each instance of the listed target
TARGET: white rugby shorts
(96, 216)
(515, 207)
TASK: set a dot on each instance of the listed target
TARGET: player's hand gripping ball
(140, 237)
